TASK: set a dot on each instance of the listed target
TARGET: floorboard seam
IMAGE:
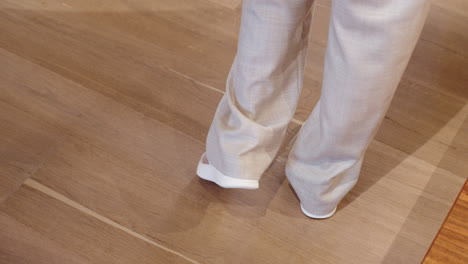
(299, 122)
(39, 187)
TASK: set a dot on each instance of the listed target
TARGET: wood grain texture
(25, 143)
(114, 100)
(22, 244)
(450, 246)
(71, 231)
(112, 164)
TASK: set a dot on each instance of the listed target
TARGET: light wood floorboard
(104, 109)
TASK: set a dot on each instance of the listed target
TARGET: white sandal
(318, 216)
(208, 172)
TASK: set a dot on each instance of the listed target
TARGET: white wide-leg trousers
(369, 45)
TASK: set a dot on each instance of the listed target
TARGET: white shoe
(208, 172)
(318, 216)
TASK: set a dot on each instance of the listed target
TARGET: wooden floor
(451, 243)
(104, 110)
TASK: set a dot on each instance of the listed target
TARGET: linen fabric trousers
(369, 45)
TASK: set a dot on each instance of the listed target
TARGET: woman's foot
(208, 172)
(315, 216)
